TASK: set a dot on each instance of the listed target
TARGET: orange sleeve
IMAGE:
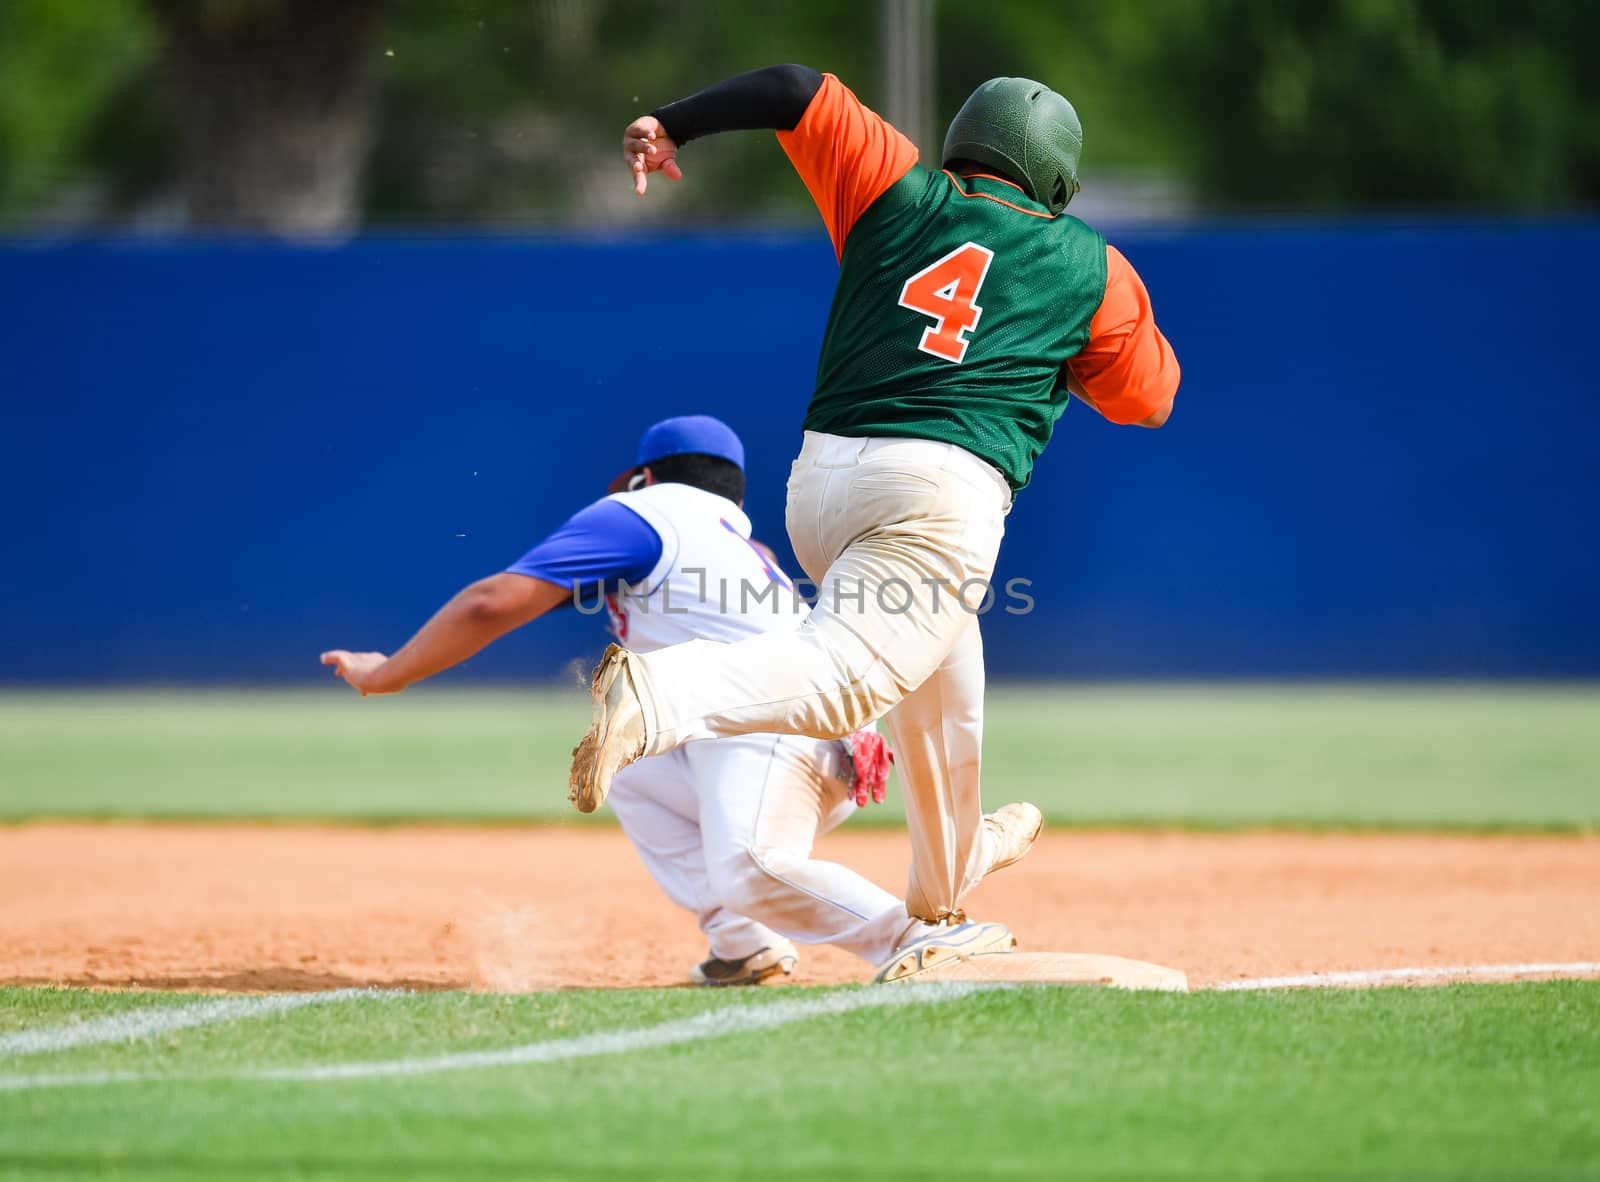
(1128, 369)
(847, 154)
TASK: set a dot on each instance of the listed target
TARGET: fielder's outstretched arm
(477, 616)
(596, 545)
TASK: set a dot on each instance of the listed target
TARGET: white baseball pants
(896, 534)
(725, 827)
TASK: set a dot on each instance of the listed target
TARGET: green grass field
(1357, 756)
(1469, 1081)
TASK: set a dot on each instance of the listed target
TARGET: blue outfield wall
(218, 459)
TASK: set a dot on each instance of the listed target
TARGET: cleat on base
(945, 945)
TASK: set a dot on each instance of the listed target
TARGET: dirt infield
(237, 907)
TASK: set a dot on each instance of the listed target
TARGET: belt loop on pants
(977, 469)
(821, 450)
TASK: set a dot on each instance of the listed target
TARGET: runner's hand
(648, 148)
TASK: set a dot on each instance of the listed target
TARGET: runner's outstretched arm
(773, 98)
(846, 153)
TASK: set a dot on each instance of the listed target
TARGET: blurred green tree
(308, 114)
(60, 66)
(275, 106)
(1489, 104)
(510, 112)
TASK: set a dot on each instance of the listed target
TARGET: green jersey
(961, 300)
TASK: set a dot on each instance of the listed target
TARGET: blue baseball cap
(684, 435)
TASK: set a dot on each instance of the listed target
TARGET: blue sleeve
(605, 541)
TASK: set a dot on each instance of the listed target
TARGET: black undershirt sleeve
(772, 97)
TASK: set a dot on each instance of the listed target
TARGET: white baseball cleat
(943, 945)
(1012, 830)
(615, 737)
(759, 966)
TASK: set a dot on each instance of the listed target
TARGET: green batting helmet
(1025, 130)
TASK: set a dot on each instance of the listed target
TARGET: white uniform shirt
(710, 582)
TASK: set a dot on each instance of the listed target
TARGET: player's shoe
(615, 737)
(759, 966)
(944, 945)
(1012, 829)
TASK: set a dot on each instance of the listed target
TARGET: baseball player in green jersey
(969, 307)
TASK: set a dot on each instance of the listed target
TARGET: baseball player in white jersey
(724, 826)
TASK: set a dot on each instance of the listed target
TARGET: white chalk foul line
(1357, 977)
(712, 1024)
(155, 1020)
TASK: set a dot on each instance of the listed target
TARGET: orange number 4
(948, 291)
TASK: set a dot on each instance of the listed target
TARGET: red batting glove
(870, 758)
